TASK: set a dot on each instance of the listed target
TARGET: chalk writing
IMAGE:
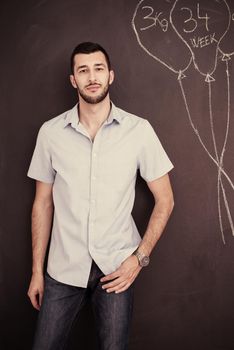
(199, 42)
(206, 18)
(193, 22)
(193, 19)
(155, 19)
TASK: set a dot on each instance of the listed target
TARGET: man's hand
(36, 289)
(123, 277)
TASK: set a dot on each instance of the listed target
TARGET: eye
(84, 70)
(99, 69)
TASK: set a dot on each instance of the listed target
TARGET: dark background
(185, 298)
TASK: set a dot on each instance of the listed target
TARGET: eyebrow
(95, 65)
(99, 64)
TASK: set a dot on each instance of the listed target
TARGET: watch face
(145, 261)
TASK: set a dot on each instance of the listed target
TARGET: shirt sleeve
(153, 160)
(41, 165)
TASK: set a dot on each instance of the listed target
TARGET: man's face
(91, 77)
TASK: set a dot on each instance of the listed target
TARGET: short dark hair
(87, 48)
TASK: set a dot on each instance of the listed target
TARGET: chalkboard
(173, 63)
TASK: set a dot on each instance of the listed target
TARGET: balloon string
(220, 182)
(228, 113)
(219, 168)
(219, 209)
(217, 161)
(212, 123)
(227, 208)
(199, 137)
(220, 160)
(224, 146)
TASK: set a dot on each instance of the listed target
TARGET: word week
(199, 42)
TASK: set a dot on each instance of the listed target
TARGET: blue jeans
(62, 303)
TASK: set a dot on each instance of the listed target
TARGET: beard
(96, 99)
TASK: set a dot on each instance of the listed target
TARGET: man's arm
(42, 213)
(127, 272)
(164, 203)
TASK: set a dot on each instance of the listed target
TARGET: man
(85, 163)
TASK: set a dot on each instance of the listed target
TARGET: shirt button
(93, 201)
(95, 155)
(94, 178)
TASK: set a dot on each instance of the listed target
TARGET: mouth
(93, 87)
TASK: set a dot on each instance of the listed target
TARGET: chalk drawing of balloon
(201, 26)
(157, 37)
(226, 45)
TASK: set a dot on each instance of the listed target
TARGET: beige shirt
(94, 189)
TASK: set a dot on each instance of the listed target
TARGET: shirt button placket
(93, 189)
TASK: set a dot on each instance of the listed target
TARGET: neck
(94, 115)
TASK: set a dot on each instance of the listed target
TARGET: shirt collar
(114, 115)
(72, 116)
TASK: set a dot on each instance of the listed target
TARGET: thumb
(40, 298)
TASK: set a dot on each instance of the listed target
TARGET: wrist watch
(142, 258)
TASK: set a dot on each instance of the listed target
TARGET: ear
(112, 76)
(72, 80)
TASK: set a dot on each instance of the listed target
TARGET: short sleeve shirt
(94, 189)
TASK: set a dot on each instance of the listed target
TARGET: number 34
(193, 21)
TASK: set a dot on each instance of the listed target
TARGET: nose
(92, 76)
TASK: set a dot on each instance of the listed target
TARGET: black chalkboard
(173, 62)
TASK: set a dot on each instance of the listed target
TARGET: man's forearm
(123, 277)
(158, 220)
(42, 213)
